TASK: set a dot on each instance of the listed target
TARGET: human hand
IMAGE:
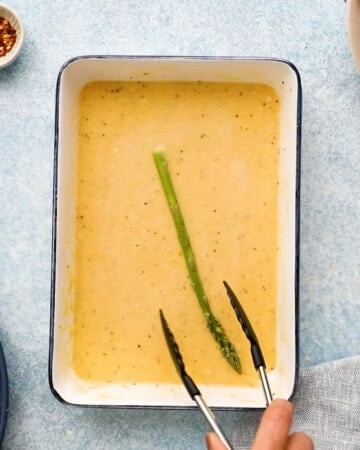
(273, 431)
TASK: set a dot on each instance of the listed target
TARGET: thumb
(274, 426)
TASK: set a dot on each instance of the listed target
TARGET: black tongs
(193, 390)
(190, 385)
(256, 353)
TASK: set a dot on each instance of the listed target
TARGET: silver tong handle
(212, 420)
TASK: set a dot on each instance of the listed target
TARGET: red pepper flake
(7, 36)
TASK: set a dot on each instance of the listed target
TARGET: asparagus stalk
(215, 327)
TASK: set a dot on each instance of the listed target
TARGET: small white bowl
(15, 22)
(354, 29)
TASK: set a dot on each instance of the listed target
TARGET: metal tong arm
(256, 353)
(189, 383)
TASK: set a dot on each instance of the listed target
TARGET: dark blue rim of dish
(4, 394)
(54, 213)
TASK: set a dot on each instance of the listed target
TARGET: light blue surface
(312, 34)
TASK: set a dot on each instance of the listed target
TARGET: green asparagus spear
(226, 347)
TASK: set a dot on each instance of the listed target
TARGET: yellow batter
(222, 142)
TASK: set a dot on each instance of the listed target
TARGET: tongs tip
(244, 321)
(256, 353)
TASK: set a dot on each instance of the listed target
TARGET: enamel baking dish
(284, 78)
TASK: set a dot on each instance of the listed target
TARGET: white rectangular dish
(283, 77)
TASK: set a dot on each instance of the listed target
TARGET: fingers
(274, 426)
(299, 441)
(273, 432)
(213, 442)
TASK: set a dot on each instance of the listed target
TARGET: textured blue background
(310, 33)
